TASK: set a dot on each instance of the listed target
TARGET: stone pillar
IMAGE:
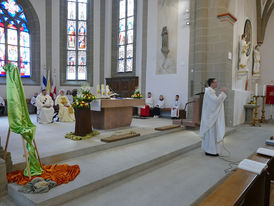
(5, 166)
(211, 39)
(3, 178)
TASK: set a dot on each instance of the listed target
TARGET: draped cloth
(59, 173)
(18, 116)
(212, 128)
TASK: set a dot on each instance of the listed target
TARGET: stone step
(62, 156)
(105, 167)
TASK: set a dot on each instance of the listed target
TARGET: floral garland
(83, 98)
(137, 94)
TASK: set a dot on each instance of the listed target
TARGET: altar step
(102, 168)
(63, 156)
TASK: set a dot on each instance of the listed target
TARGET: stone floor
(180, 181)
(50, 138)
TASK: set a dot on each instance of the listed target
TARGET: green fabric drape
(19, 120)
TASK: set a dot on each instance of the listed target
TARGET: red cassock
(145, 111)
(269, 94)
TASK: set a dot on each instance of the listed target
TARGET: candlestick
(263, 111)
(103, 89)
(256, 89)
(264, 89)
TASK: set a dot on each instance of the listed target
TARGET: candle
(98, 89)
(264, 89)
(256, 89)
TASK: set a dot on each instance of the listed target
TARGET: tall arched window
(76, 40)
(126, 36)
(14, 38)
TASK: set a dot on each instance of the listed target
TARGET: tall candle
(264, 89)
(256, 89)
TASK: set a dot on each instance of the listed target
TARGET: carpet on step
(61, 174)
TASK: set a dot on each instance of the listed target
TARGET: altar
(113, 113)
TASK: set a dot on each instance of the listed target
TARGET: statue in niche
(257, 61)
(244, 47)
(165, 49)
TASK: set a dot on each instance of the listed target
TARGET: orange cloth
(59, 173)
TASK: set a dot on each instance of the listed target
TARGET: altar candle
(98, 88)
(264, 89)
(256, 89)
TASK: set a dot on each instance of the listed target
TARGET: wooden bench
(29, 105)
(182, 112)
(244, 188)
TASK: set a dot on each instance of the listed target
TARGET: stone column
(3, 178)
(210, 41)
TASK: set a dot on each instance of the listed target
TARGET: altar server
(174, 112)
(45, 109)
(160, 104)
(212, 128)
(66, 112)
(145, 111)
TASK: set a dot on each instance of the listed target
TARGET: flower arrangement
(83, 97)
(137, 94)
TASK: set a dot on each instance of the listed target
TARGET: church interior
(126, 102)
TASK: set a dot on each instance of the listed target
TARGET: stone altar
(115, 113)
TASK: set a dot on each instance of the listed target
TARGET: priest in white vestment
(174, 112)
(45, 109)
(66, 112)
(212, 128)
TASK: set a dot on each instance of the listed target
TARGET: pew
(244, 188)
(29, 105)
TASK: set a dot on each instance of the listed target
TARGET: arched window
(14, 38)
(76, 40)
(126, 36)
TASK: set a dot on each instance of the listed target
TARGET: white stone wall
(242, 10)
(267, 59)
(167, 84)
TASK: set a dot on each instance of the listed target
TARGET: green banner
(18, 115)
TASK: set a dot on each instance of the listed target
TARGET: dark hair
(149, 93)
(43, 90)
(177, 95)
(210, 81)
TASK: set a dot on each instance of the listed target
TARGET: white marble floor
(50, 138)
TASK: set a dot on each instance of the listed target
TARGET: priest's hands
(223, 89)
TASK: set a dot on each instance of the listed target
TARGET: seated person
(33, 102)
(145, 111)
(2, 106)
(174, 112)
(160, 104)
(69, 96)
(66, 112)
(45, 109)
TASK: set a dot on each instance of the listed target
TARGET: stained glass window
(126, 36)
(77, 40)
(14, 38)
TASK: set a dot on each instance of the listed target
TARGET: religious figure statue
(243, 53)
(164, 49)
(257, 61)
